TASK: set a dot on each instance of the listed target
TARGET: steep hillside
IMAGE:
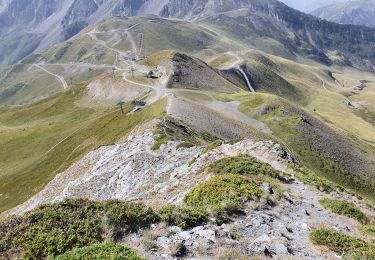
(288, 32)
(353, 12)
(97, 50)
(235, 200)
(280, 30)
(192, 73)
(209, 100)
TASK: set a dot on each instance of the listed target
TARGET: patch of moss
(345, 208)
(224, 195)
(100, 251)
(350, 247)
(54, 229)
(184, 218)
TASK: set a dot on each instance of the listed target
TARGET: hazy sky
(309, 5)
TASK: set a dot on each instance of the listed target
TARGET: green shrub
(235, 236)
(224, 195)
(184, 218)
(351, 247)
(368, 230)
(244, 165)
(345, 208)
(101, 251)
(125, 217)
(56, 228)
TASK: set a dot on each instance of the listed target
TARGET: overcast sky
(309, 5)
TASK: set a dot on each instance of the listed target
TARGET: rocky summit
(176, 129)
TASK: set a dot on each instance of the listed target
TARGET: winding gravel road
(60, 78)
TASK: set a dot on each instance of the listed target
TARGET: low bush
(184, 218)
(350, 247)
(244, 165)
(224, 195)
(123, 217)
(56, 228)
(100, 251)
(345, 208)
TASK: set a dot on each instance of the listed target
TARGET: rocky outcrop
(280, 232)
(132, 171)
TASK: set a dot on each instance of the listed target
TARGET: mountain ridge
(359, 12)
(304, 34)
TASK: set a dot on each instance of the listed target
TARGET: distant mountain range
(26, 26)
(308, 6)
(360, 12)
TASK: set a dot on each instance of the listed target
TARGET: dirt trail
(79, 64)
(93, 36)
(248, 83)
(60, 78)
(231, 109)
(237, 65)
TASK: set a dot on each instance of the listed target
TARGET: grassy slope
(28, 133)
(159, 35)
(302, 84)
(284, 131)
